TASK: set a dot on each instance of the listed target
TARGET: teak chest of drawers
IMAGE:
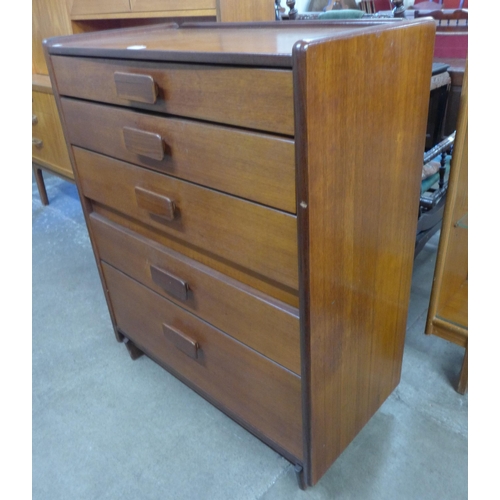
(251, 193)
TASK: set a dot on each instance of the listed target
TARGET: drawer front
(260, 99)
(250, 165)
(166, 5)
(88, 7)
(272, 289)
(256, 390)
(257, 238)
(257, 320)
(48, 144)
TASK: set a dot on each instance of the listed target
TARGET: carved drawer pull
(133, 87)
(144, 143)
(184, 343)
(38, 143)
(155, 203)
(173, 285)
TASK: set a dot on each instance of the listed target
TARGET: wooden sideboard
(251, 193)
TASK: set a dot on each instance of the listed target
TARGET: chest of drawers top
(251, 193)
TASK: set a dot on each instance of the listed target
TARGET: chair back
(368, 6)
(448, 20)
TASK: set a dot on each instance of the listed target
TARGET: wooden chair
(368, 6)
(455, 20)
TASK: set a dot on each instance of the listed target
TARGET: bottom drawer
(250, 387)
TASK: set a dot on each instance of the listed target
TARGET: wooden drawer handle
(184, 343)
(138, 88)
(170, 283)
(38, 143)
(34, 119)
(155, 203)
(144, 143)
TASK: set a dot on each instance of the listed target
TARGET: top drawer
(253, 98)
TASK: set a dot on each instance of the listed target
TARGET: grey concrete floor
(107, 427)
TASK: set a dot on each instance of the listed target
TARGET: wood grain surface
(52, 152)
(227, 370)
(259, 321)
(359, 155)
(228, 268)
(166, 5)
(448, 307)
(94, 7)
(258, 167)
(253, 98)
(252, 236)
(256, 10)
(265, 44)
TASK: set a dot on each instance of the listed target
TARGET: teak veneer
(251, 193)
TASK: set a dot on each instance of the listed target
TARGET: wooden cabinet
(252, 216)
(448, 308)
(49, 147)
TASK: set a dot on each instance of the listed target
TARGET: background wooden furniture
(278, 292)
(64, 17)
(49, 18)
(433, 191)
(49, 147)
(448, 308)
(447, 20)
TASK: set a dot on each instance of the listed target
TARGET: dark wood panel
(247, 97)
(259, 391)
(360, 161)
(253, 236)
(259, 321)
(243, 275)
(255, 166)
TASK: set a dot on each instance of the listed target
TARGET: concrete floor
(107, 427)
